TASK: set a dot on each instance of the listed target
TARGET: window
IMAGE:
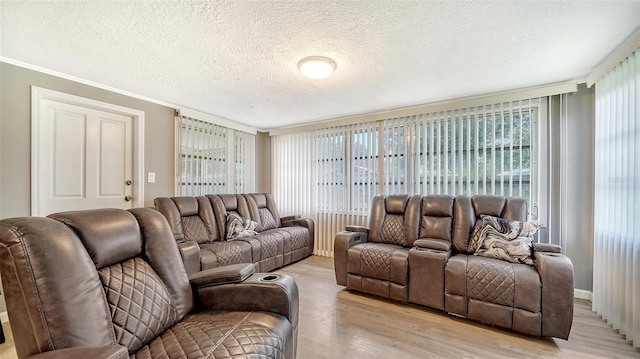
(212, 159)
(475, 153)
(330, 164)
(331, 174)
(479, 150)
(244, 164)
(364, 175)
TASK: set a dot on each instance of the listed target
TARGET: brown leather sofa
(416, 249)
(199, 226)
(110, 283)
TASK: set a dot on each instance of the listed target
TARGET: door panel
(68, 152)
(112, 159)
(90, 158)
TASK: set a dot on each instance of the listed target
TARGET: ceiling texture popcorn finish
(238, 59)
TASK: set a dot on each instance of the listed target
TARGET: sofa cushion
(467, 211)
(222, 335)
(437, 217)
(388, 262)
(491, 280)
(271, 243)
(228, 252)
(267, 219)
(109, 241)
(505, 239)
(393, 230)
(141, 307)
(299, 236)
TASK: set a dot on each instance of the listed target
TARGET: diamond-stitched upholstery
(142, 299)
(228, 252)
(269, 244)
(216, 335)
(266, 219)
(141, 307)
(376, 261)
(299, 236)
(490, 281)
(194, 229)
(393, 230)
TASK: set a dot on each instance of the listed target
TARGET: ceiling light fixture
(316, 67)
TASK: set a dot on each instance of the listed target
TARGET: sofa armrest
(343, 241)
(234, 273)
(104, 352)
(190, 253)
(354, 228)
(289, 218)
(432, 244)
(302, 222)
(276, 293)
(546, 247)
(556, 275)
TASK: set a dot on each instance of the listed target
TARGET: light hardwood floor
(336, 323)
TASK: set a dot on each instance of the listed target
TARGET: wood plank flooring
(336, 323)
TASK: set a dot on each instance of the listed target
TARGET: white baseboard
(4, 318)
(583, 294)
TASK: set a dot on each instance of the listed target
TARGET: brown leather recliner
(199, 225)
(374, 260)
(110, 283)
(425, 259)
(199, 230)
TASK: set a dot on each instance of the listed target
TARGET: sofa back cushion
(263, 211)
(394, 219)
(91, 278)
(467, 210)
(190, 218)
(54, 296)
(225, 204)
(436, 217)
(141, 307)
(147, 291)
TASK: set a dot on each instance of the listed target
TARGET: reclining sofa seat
(200, 232)
(445, 275)
(296, 234)
(486, 289)
(199, 226)
(110, 283)
(380, 266)
(225, 204)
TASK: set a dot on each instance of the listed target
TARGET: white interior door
(85, 158)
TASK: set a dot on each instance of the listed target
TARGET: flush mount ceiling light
(316, 67)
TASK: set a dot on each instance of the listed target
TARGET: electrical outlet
(151, 177)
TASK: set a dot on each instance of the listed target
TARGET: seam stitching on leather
(35, 291)
(210, 352)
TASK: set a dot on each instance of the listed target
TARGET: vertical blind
(478, 150)
(244, 162)
(616, 267)
(212, 158)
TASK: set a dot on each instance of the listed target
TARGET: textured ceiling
(237, 59)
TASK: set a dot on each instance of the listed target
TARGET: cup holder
(270, 278)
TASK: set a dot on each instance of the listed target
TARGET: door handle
(128, 182)
(128, 198)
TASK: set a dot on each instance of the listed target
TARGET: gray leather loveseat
(421, 249)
